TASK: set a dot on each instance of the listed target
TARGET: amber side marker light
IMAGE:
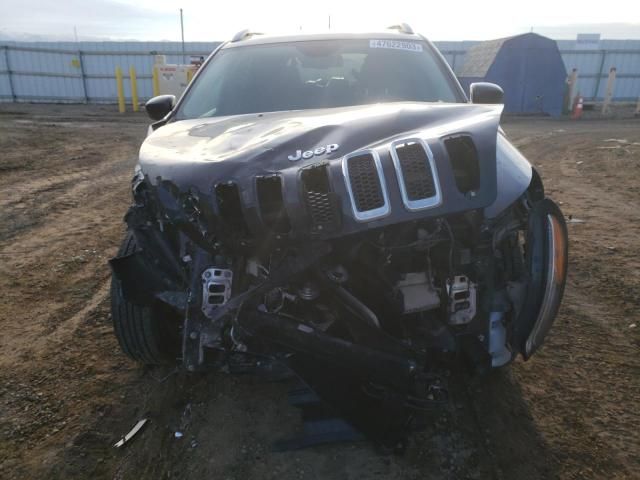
(556, 271)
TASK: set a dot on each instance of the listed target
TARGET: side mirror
(483, 92)
(158, 107)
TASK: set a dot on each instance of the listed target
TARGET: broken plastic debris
(575, 220)
(136, 428)
(178, 434)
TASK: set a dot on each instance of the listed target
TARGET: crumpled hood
(202, 152)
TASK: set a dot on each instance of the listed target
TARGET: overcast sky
(210, 20)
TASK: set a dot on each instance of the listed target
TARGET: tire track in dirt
(59, 367)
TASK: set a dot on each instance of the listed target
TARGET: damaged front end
(410, 236)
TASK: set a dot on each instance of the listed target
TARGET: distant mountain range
(625, 31)
(36, 37)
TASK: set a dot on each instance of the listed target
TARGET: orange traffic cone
(577, 108)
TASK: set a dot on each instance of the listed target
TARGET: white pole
(573, 81)
(184, 58)
(609, 92)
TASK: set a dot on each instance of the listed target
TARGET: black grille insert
(464, 162)
(274, 215)
(365, 182)
(416, 171)
(230, 207)
(319, 198)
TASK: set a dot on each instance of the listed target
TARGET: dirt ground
(67, 393)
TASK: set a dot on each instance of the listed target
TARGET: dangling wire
(451, 275)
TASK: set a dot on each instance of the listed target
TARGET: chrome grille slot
(366, 185)
(417, 176)
(367, 191)
(418, 179)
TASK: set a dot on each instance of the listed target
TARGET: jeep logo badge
(332, 147)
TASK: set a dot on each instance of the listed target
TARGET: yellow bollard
(134, 88)
(156, 82)
(189, 76)
(120, 88)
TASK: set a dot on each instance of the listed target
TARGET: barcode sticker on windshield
(396, 45)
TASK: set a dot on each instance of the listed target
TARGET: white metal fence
(83, 72)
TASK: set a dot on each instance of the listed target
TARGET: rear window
(317, 74)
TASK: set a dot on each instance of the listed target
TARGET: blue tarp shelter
(528, 67)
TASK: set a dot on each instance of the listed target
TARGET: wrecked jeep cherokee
(334, 204)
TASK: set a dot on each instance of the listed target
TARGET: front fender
(514, 175)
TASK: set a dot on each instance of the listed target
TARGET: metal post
(600, 73)
(184, 58)
(134, 88)
(609, 92)
(156, 81)
(572, 82)
(120, 88)
(6, 61)
(82, 76)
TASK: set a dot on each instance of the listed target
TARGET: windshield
(316, 74)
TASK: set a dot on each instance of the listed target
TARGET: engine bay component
(462, 300)
(417, 292)
(308, 291)
(216, 289)
(498, 349)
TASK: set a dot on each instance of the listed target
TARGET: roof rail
(402, 28)
(243, 35)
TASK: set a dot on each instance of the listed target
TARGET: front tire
(146, 334)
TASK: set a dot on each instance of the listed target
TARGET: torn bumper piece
(143, 283)
(375, 391)
(360, 361)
